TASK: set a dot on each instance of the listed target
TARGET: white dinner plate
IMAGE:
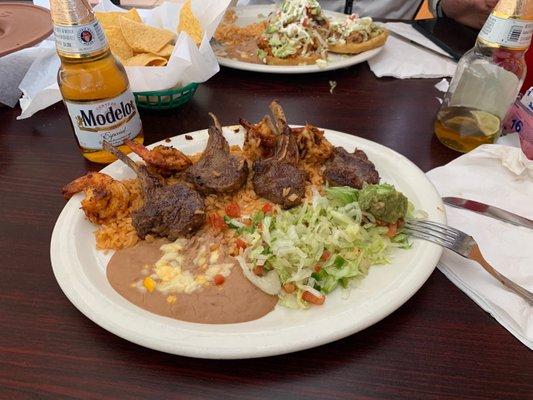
(81, 272)
(249, 14)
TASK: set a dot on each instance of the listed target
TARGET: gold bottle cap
(509, 26)
(71, 12)
(77, 32)
(514, 9)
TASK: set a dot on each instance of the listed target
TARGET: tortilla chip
(146, 60)
(133, 15)
(166, 51)
(144, 38)
(106, 19)
(118, 45)
(190, 24)
(110, 18)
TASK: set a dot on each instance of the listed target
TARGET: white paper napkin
(511, 139)
(403, 60)
(13, 68)
(39, 86)
(503, 177)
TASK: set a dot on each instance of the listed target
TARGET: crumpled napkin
(39, 86)
(511, 139)
(402, 60)
(13, 68)
(503, 177)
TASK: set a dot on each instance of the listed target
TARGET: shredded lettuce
(295, 28)
(341, 195)
(320, 245)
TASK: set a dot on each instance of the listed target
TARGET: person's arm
(468, 12)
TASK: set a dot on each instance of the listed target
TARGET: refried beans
(245, 51)
(236, 300)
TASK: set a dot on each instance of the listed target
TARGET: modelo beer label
(507, 32)
(112, 120)
(80, 39)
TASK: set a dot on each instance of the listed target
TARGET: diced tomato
(325, 255)
(311, 298)
(393, 229)
(258, 270)
(317, 268)
(233, 210)
(240, 244)
(216, 221)
(219, 279)
(289, 287)
(267, 208)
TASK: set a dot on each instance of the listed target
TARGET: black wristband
(439, 11)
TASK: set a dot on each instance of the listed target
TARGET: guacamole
(384, 202)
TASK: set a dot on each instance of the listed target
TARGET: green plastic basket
(165, 99)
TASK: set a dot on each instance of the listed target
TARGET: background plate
(249, 14)
(80, 271)
(22, 25)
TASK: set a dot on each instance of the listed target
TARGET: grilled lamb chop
(168, 211)
(278, 178)
(350, 169)
(217, 171)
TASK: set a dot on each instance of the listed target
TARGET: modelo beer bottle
(93, 83)
(487, 79)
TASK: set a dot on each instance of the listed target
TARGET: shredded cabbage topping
(316, 247)
(364, 27)
(295, 29)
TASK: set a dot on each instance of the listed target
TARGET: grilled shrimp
(313, 147)
(260, 139)
(162, 160)
(104, 196)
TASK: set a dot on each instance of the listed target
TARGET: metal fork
(462, 244)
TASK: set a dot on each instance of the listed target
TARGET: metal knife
(420, 46)
(489, 211)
